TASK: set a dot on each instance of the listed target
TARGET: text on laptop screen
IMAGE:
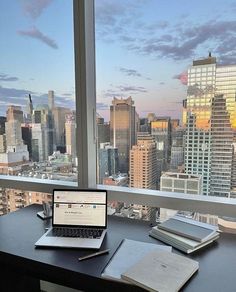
(79, 208)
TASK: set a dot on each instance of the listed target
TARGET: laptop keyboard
(75, 232)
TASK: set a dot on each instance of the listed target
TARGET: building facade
(143, 163)
(210, 125)
(123, 129)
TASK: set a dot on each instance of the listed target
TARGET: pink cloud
(37, 34)
(182, 77)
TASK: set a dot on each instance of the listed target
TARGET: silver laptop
(79, 219)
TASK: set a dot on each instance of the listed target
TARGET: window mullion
(84, 43)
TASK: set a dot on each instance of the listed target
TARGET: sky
(143, 50)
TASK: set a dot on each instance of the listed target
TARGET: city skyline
(143, 50)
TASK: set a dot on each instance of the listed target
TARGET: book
(128, 253)
(188, 228)
(182, 243)
(161, 271)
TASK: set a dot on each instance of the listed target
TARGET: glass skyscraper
(210, 124)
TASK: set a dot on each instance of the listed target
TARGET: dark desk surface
(21, 229)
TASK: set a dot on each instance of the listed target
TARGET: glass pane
(166, 81)
(13, 199)
(37, 91)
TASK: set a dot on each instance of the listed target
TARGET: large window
(139, 101)
(166, 83)
(37, 90)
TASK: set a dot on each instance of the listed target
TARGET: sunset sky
(143, 49)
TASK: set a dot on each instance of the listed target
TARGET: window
(37, 92)
(87, 134)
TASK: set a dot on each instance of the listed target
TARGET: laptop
(79, 219)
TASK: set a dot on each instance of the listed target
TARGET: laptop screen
(79, 208)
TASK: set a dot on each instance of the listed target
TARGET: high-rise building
(41, 129)
(221, 148)
(26, 130)
(103, 131)
(16, 155)
(3, 143)
(161, 131)
(59, 118)
(143, 163)
(14, 113)
(70, 128)
(208, 118)
(2, 125)
(39, 142)
(108, 161)
(123, 128)
(177, 148)
(51, 100)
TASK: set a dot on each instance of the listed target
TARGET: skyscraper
(70, 128)
(59, 118)
(108, 161)
(103, 131)
(51, 100)
(161, 131)
(16, 154)
(143, 163)
(2, 125)
(221, 148)
(123, 129)
(210, 122)
(41, 143)
(177, 148)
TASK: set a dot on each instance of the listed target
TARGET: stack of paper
(185, 234)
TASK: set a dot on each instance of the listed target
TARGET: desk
(21, 229)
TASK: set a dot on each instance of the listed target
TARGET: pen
(94, 254)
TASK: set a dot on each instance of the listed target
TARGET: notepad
(128, 253)
(161, 271)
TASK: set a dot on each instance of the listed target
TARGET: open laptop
(79, 219)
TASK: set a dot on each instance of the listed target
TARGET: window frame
(86, 136)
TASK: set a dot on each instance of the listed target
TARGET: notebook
(128, 253)
(161, 271)
(79, 219)
(189, 228)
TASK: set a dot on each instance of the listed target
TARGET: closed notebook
(188, 228)
(161, 271)
(182, 243)
(128, 253)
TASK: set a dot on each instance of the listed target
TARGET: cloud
(4, 77)
(132, 89)
(34, 8)
(162, 83)
(182, 77)
(102, 106)
(107, 12)
(184, 42)
(110, 93)
(12, 92)
(37, 34)
(130, 72)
